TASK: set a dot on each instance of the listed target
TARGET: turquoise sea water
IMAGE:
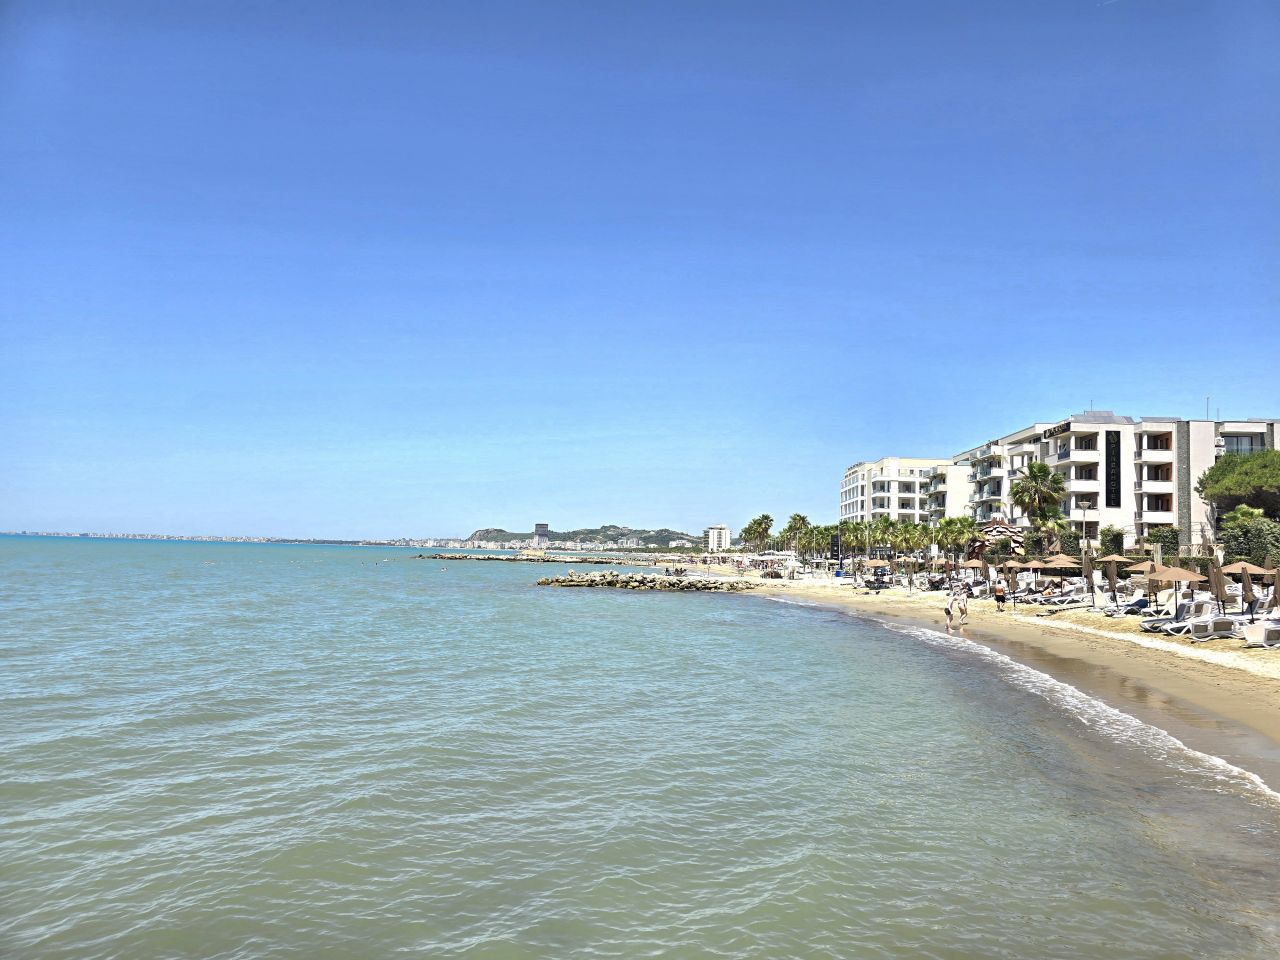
(257, 751)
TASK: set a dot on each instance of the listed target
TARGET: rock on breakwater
(645, 581)
(506, 558)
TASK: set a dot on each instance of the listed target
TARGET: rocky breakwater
(519, 558)
(646, 581)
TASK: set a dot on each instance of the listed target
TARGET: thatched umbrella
(1218, 584)
(1274, 604)
(1247, 596)
(1243, 566)
(1060, 561)
(1113, 580)
(1036, 566)
(1176, 575)
(1011, 568)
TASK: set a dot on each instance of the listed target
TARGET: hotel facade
(900, 488)
(1134, 474)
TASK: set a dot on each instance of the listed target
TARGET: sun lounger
(1157, 624)
(1199, 610)
(1122, 603)
(1216, 627)
(1071, 594)
(1264, 633)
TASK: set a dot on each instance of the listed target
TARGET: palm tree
(796, 531)
(857, 534)
(758, 531)
(1039, 489)
(882, 531)
(1053, 525)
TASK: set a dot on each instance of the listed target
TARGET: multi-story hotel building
(1130, 473)
(893, 487)
(717, 538)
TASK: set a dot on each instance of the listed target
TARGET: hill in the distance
(648, 538)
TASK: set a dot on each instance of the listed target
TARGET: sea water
(269, 751)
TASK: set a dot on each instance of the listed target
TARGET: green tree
(795, 533)
(1168, 539)
(1053, 525)
(757, 532)
(1253, 540)
(1249, 478)
(1242, 513)
(1038, 490)
(1110, 540)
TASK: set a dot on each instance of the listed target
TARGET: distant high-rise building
(541, 535)
(717, 538)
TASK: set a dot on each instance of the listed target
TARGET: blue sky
(326, 270)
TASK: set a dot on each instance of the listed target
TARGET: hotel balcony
(989, 450)
(1152, 455)
(1084, 486)
(992, 496)
(1078, 455)
(1155, 516)
(1153, 486)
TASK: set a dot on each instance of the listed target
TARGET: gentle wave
(1121, 727)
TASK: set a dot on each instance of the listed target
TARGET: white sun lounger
(1263, 633)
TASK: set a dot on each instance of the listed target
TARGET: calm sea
(260, 751)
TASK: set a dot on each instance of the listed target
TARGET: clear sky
(379, 269)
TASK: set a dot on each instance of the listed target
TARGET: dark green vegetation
(1252, 479)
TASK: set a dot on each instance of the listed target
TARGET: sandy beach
(1214, 697)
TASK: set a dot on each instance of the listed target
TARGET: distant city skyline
(412, 270)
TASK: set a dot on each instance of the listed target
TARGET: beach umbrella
(1243, 566)
(1142, 566)
(1247, 596)
(1086, 569)
(1060, 561)
(1113, 558)
(1035, 566)
(1218, 585)
(1274, 603)
(986, 571)
(1112, 579)
(1011, 568)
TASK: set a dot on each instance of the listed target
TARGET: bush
(1252, 540)
(1069, 542)
(1033, 542)
(1166, 537)
(1111, 540)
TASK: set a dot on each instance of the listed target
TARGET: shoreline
(1219, 708)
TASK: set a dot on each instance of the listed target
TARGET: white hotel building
(900, 488)
(1129, 473)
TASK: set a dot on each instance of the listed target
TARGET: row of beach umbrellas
(1149, 568)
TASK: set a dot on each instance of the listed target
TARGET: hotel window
(1247, 443)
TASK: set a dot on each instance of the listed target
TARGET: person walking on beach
(949, 608)
(963, 609)
(1000, 595)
